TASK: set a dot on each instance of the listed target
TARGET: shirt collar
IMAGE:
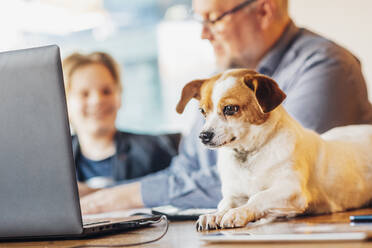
(271, 60)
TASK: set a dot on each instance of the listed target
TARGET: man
(323, 82)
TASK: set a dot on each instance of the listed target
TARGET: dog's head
(231, 102)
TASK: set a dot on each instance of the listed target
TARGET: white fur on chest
(244, 176)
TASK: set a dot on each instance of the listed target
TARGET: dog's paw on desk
(228, 219)
(208, 222)
(236, 217)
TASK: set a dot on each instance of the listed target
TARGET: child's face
(93, 100)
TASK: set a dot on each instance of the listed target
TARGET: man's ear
(266, 10)
(190, 90)
(266, 90)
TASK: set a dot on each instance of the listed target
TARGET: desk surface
(183, 234)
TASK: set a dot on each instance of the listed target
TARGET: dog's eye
(230, 109)
(202, 111)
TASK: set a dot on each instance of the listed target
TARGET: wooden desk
(183, 234)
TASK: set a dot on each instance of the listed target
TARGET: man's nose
(206, 33)
(206, 136)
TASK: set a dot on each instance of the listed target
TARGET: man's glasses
(210, 22)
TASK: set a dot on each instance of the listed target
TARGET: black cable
(163, 217)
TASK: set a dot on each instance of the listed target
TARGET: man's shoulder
(317, 57)
(310, 45)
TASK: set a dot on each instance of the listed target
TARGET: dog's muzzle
(206, 137)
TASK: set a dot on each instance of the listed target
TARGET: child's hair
(77, 60)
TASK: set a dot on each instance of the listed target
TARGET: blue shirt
(90, 169)
(136, 156)
(325, 88)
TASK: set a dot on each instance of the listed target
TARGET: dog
(270, 166)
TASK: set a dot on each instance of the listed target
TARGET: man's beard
(233, 63)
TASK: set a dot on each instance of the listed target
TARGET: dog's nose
(206, 137)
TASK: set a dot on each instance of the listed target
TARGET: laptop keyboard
(94, 222)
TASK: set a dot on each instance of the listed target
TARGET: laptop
(38, 189)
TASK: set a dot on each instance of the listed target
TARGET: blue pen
(361, 218)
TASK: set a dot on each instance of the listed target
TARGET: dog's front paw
(208, 222)
(237, 217)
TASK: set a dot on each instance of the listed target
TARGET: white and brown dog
(269, 164)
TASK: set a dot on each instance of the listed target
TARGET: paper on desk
(291, 232)
(297, 228)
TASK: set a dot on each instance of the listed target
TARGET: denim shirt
(325, 88)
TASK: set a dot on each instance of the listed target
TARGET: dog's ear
(266, 90)
(190, 90)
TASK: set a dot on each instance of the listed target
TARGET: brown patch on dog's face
(267, 91)
(249, 109)
(236, 95)
(205, 104)
(195, 89)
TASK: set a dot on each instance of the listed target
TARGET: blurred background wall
(158, 47)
